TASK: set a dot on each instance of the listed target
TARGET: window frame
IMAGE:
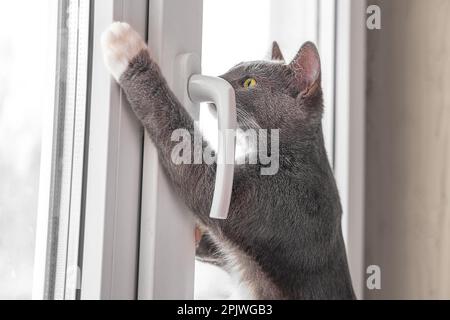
(45, 183)
(167, 245)
(114, 170)
(350, 104)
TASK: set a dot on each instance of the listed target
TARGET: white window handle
(194, 89)
(221, 93)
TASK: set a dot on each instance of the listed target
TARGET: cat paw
(120, 44)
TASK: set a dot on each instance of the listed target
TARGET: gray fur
(284, 231)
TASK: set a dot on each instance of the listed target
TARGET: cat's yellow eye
(249, 83)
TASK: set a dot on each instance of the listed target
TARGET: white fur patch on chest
(214, 283)
(245, 146)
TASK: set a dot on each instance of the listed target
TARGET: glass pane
(27, 53)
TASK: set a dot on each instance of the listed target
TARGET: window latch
(218, 91)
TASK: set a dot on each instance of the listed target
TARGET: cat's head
(278, 95)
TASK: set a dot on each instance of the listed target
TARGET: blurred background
(27, 43)
(407, 216)
(406, 136)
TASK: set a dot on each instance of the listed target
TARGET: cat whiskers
(246, 121)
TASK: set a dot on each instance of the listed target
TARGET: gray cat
(283, 234)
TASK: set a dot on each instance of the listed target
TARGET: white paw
(120, 43)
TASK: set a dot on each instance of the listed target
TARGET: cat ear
(306, 68)
(276, 52)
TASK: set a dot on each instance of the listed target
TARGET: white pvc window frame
(167, 246)
(349, 166)
(114, 170)
(133, 247)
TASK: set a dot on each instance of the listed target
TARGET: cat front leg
(127, 57)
